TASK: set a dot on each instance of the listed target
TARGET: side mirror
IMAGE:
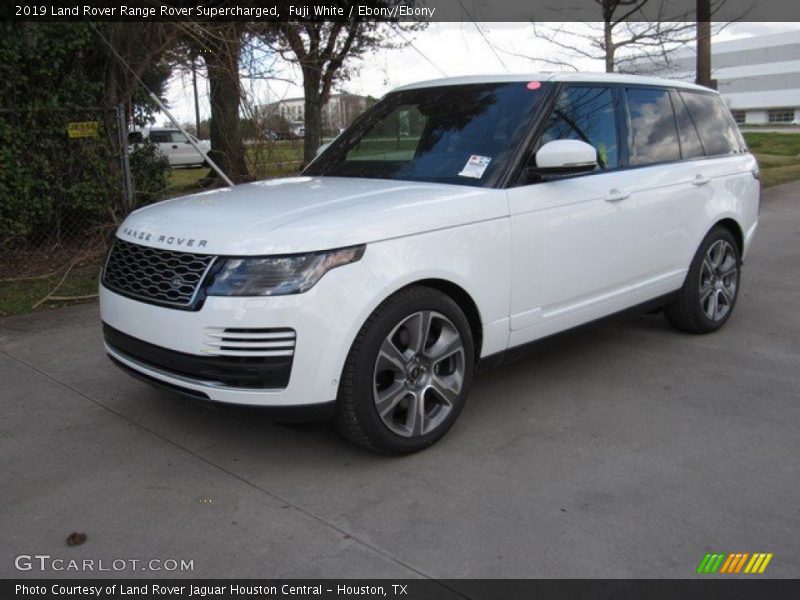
(322, 148)
(565, 157)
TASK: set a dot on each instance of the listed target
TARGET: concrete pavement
(622, 449)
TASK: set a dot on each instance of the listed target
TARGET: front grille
(237, 341)
(158, 276)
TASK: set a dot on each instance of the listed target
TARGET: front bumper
(254, 372)
(291, 413)
(177, 348)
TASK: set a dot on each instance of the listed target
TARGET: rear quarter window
(714, 123)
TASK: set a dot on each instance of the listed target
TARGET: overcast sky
(443, 48)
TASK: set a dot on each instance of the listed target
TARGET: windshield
(462, 134)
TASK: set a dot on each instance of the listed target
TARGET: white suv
(174, 145)
(453, 221)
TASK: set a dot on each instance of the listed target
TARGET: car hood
(301, 214)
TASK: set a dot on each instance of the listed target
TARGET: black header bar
(711, 588)
(387, 10)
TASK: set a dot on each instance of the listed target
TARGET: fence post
(127, 183)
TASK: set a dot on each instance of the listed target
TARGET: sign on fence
(83, 129)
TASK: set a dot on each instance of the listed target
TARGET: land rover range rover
(454, 220)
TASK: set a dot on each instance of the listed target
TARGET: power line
(483, 35)
(418, 51)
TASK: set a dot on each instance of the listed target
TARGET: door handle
(616, 195)
(174, 146)
(701, 180)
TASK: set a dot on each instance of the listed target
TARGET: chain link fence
(69, 177)
(63, 187)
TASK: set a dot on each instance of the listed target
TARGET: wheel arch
(464, 300)
(446, 286)
(735, 230)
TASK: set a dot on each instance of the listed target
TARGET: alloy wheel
(719, 278)
(418, 374)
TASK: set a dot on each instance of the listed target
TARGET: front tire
(708, 296)
(408, 372)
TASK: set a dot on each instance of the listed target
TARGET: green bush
(150, 172)
(52, 187)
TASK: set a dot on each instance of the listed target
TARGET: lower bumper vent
(249, 342)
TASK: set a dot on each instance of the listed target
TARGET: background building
(338, 113)
(759, 77)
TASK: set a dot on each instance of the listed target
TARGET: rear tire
(708, 296)
(408, 372)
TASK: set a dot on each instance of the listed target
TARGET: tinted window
(653, 136)
(160, 137)
(586, 114)
(395, 137)
(714, 123)
(691, 147)
(135, 137)
(462, 134)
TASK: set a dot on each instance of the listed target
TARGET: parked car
(174, 145)
(453, 223)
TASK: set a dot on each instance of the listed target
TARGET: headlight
(277, 275)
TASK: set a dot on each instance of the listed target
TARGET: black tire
(689, 311)
(357, 414)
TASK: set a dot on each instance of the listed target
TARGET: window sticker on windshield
(475, 166)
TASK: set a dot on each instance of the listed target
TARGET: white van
(452, 222)
(174, 145)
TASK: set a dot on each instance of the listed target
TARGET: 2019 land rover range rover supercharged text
(454, 220)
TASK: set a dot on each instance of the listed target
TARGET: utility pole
(196, 101)
(704, 43)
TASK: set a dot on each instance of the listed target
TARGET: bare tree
(220, 46)
(137, 54)
(637, 36)
(324, 52)
(627, 39)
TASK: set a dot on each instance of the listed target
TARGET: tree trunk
(608, 42)
(223, 79)
(313, 113)
(704, 43)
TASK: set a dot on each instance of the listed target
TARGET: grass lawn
(24, 295)
(778, 156)
(265, 161)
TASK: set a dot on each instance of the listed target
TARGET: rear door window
(714, 123)
(652, 133)
(586, 114)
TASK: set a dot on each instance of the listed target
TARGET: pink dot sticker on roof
(534, 85)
